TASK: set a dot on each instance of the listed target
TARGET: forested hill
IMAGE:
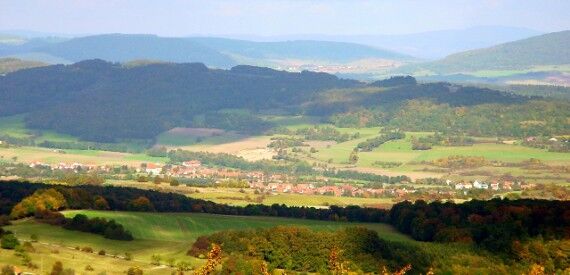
(122, 48)
(547, 49)
(212, 51)
(102, 101)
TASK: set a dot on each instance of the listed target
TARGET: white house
(480, 185)
(153, 169)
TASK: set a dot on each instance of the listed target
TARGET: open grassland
(401, 151)
(184, 227)
(92, 157)
(169, 235)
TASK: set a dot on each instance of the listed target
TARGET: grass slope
(547, 49)
(169, 235)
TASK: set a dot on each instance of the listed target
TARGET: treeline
(497, 225)
(460, 162)
(389, 100)
(427, 142)
(360, 117)
(445, 108)
(375, 142)
(357, 249)
(285, 142)
(232, 161)
(325, 133)
(100, 226)
(236, 120)
(560, 144)
(355, 175)
(133, 199)
(395, 81)
(534, 118)
(18, 141)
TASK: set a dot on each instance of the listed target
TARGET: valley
(285, 138)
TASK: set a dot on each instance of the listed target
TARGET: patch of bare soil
(196, 132)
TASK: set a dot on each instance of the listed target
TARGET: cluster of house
(194, 169)
(279, 183)
(333, 190)
(495, 185)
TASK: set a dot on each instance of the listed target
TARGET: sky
(278, 17)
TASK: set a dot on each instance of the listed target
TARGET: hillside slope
(122, 48)
(547, 49)
(102, 101)
(299, 49)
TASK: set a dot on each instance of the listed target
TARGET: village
(285, 184)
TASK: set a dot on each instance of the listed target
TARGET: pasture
(169, 235)
(91, 157)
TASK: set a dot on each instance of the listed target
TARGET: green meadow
(169, 235)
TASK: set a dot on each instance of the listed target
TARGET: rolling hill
(98, 100)
(543, 50)
(299, 49)
(122, 48)
(426, 45)
(212, 51)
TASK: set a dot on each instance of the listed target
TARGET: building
(153, 169)
(192, 164)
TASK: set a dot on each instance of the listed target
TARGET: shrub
(134, 271)
(155, 259)
(9, 241)
(128, 256)
(7, 270)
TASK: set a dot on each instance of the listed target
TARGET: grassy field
(401, 151)
(93, 157)
(169, 235)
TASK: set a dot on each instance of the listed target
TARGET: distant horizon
(177, 18)
(29, 33)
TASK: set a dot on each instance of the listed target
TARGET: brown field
(196, 132)
(250, 148)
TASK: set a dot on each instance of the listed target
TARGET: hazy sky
(277, 17)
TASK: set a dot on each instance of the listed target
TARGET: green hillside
(547, 49)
